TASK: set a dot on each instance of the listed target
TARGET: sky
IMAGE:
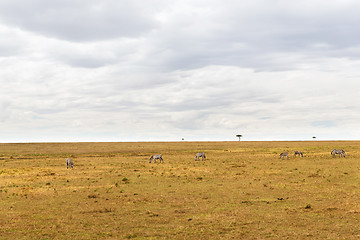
(158, 70)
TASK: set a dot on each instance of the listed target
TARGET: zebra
(69, 163)
(284, 154)
(200, 154)
(338, 151)
(298, 153)
(154, 157)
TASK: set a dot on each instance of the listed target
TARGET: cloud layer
(199, 70)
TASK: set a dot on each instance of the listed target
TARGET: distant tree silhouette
(239, 136)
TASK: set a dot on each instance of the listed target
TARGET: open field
(242, 191)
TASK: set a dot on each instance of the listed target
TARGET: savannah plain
(241, 191)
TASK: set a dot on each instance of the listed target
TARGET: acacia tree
(239, 136)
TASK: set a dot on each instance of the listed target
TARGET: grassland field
(243, 190)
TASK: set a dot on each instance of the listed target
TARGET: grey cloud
(189, 68)
(255, 33)
(83, 61)
(266, 37)
(84, 20)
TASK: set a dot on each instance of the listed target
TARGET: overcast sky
(158, 70)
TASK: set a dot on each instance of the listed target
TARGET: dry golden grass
(242, 191)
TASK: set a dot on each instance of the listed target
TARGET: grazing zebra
(298, 153)
(284, 154)
(200, 154)
(338, 151)
(154, 157)
(69, 163)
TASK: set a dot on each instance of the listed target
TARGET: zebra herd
(283, 155)
(158, 156)
(340, 152)
(153, 158)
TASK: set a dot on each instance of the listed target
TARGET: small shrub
(131, 236)
(93, 196)
(125, 180)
